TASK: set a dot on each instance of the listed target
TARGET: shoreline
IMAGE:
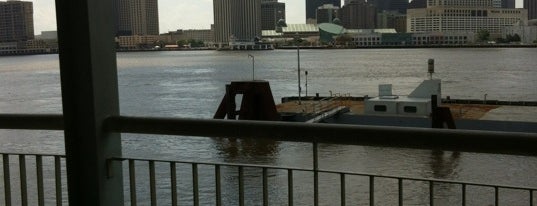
(305, 47)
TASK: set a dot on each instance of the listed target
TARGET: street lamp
(298, 58)
(253, 65)
(306, 83)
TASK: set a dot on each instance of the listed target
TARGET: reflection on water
(234, 149)
(444, 164)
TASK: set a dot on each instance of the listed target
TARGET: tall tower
(16, 21)
(236, 21)
(271, 12)
(312, 5)
(531, 6)
(358, 15)
(390, 5)
(137, 17)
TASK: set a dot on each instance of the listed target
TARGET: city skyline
(197, 15)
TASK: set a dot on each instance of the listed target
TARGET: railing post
(343, 189)
(463, 194)
(371, 190)
(400, 186)
(22, 171)
(290, 187)
(152, 183)
(7, 180)
(89, 89)
(315, 173)
(265, 187)
(173, 179)
(58, 180)
(195, 186)
(431, 193)
(132, 182)
(39, 173)
(217, 185)
(241, 186)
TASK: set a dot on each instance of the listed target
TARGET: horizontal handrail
(382, 136)
(32, 121)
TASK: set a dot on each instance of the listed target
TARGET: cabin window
(380, 108)
(410, 109)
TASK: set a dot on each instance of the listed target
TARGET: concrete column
(89, 95)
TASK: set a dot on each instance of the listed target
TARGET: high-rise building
(326, 13)
(358, 15)
(463, 15)
(312, 5)
(137, 17)
(417, 4)
(391, 20)
(271, 12)
(390, 5)
(16, 21)
(236, 21)
(509, 4)
(531, 6)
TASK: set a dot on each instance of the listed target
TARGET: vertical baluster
(343, 189)
(24, 189)
(152, 183)
(217, 185)
(58, 179)
(531, 197)
(173, 179)
(496, 196)
(39, 172)
(265, 187)
(371, 190)
(132, 182)
(290, 186)
(241, 186)
(195, 185)
(7, 180)
(315, 174)
(400, 184)
(463, 194)
(431, 193)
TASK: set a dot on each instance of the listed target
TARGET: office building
(391, 20)
(237, 21)
(358, 15)
(463, 15)
(531, 6)
(136, 17)
(326, 13)
(313, 5)
(390, 5)
(417, 4)
(271, 12)
(16, 21)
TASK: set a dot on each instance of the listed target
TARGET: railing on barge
(454, 140)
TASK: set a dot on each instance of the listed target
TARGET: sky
(173, 14)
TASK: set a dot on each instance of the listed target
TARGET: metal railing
(263, 170)
(418, 138)
(39, 177)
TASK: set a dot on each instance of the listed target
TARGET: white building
(528, 34)
(463, 15)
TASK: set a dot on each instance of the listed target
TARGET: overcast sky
(173, 14)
